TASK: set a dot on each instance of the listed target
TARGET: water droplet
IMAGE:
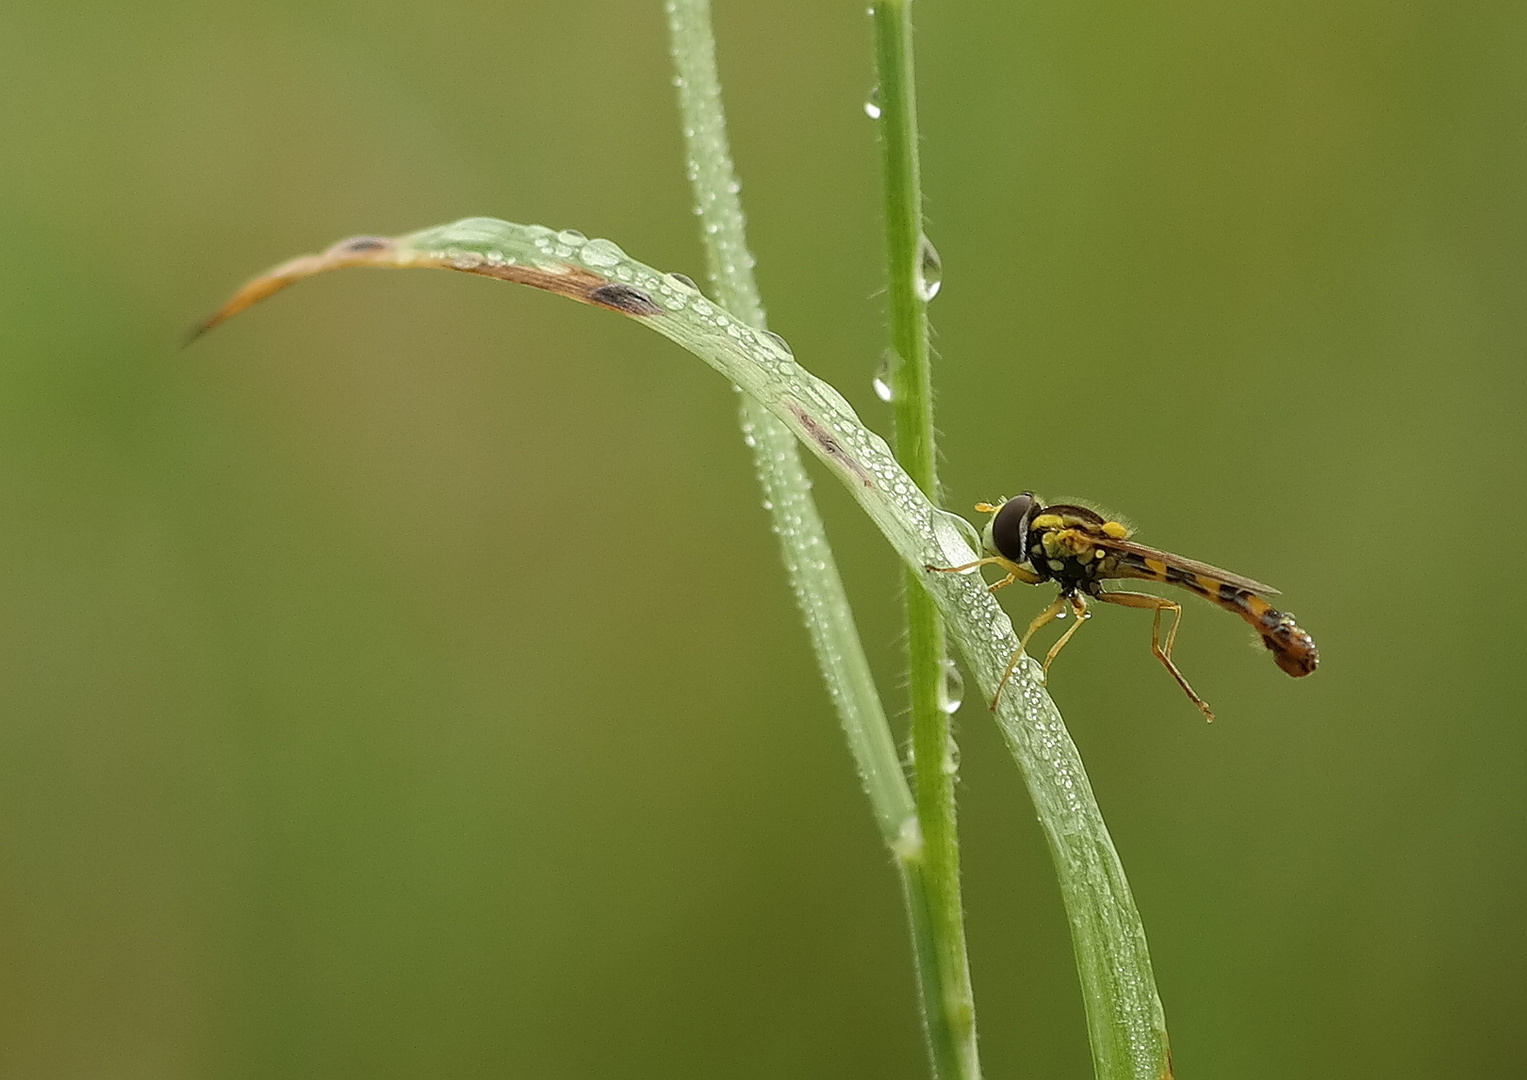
(601, 253)
(882, 380)
(1060, 614)
(872, 104)
(781, 343)
(930, 270)
(571, 237)
(966, 530)
(683, 281)
(953, 691)
(952, 758)
(909, 840)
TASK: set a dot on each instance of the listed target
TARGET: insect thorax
(1062, 548)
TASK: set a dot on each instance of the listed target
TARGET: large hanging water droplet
(965, 528)
(930, 270)
(882, 380)
(952, 693)
(601, 253)
(872, 104)
(779, 343)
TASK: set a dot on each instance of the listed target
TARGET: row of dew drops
(673, 290)
(927, 281)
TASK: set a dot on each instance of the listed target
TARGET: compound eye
(1010, 528)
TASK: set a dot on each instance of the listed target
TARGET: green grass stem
(909, 286)
(807, 556)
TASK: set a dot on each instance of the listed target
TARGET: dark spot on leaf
(624, 298)
(831, 447)
(363, 243)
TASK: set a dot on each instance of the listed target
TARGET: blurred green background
(402, 682)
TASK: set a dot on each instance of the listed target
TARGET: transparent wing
(1179, 562)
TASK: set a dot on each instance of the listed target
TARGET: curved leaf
(1125, 1018)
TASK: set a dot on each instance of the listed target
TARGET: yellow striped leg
(1044, 618)
(1014, 571)
(1163, 653)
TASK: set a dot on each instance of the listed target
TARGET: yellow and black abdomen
(1293, 649)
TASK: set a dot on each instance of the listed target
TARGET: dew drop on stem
(952, 693)
(882, 380)
(952, 758)
(930, 270)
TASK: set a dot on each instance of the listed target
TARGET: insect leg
(1048, 615)
(1163, 653)
(1044, 618)
(1014, 571)
(967, 566)
(1079, 607)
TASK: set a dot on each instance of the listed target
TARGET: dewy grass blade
(787, 491)
(1125, 1019)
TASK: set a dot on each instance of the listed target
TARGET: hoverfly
(1079, 549)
